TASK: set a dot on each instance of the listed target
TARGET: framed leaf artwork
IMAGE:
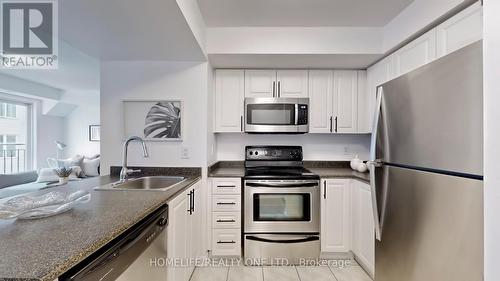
(153, 120)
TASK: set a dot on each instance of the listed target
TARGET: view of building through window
(13, 137)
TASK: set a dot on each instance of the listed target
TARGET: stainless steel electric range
(281, 206)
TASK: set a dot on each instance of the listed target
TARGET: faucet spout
(125, 171)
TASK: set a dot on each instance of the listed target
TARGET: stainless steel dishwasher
(131, 256)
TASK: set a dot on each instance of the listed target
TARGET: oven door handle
(309, 184)
(284, 241)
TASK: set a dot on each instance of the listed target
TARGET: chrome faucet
(126, 171)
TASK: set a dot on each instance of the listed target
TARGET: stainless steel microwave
(277, 115)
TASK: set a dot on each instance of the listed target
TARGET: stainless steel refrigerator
(427, 172)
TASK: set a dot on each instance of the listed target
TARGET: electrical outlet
(185, 152)
(347, 150)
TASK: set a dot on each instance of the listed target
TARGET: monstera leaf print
(163, 121)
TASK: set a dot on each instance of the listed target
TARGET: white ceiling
(128, 29)
(236, 13)
(76, 72)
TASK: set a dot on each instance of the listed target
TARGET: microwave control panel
(302, 114)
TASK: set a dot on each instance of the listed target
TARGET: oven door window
(271, 114)
(282, 207)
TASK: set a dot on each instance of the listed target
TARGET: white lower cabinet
(347, 220)
(184, 232)
(363, 234)
(335, 215)
(226, 216)
(226, 242)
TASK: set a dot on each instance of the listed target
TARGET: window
(8, 110)
(15, 136)
(8, 150)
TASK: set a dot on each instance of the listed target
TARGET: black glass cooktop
(279, 173)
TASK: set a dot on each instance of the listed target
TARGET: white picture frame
(153, 120)
(94, 133)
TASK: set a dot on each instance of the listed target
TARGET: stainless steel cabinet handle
(274, 88)
(331, 124)
(226, 242)
(226, 203)
(226, 221)
(190, 210)
(279, 89)
(241, 123)
(192, 198)
(336, 121)
(226, 186)
(324, 189)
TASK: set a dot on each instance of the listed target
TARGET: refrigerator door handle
(373, 163)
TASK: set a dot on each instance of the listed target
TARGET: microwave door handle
(296, 114)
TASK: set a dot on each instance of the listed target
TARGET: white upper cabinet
(416, 53)
(260, 83)
(461, 30)
(292, 83)
(320, 101)
(364, 104)
(229, 99)
(345, 101)
(264, 83)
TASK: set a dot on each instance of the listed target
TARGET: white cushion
(90, 167)
(69, 162)
(49, 175)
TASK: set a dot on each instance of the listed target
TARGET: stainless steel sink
(158, 183)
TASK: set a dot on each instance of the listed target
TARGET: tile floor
(280, 273)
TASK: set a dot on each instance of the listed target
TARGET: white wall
(491, 60)
(76, 124)
(195, 21)
(48, 130)
(159, 80)
(316, 147)
(294, 40)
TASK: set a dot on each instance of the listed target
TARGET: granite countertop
(45, 248)
(324, 169)
(227, 169)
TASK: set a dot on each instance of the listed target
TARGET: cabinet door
(363, 234)
(320, 101)
(461, 30)
(415, 54)
(377, 75)
(260, 83)
(178, 236)
(345, 101)
(367, 228)
(292, 83)
(335, 216)
(364, 102)
(229, 100)
(196, 219)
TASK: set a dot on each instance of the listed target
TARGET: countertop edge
(54, 274)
